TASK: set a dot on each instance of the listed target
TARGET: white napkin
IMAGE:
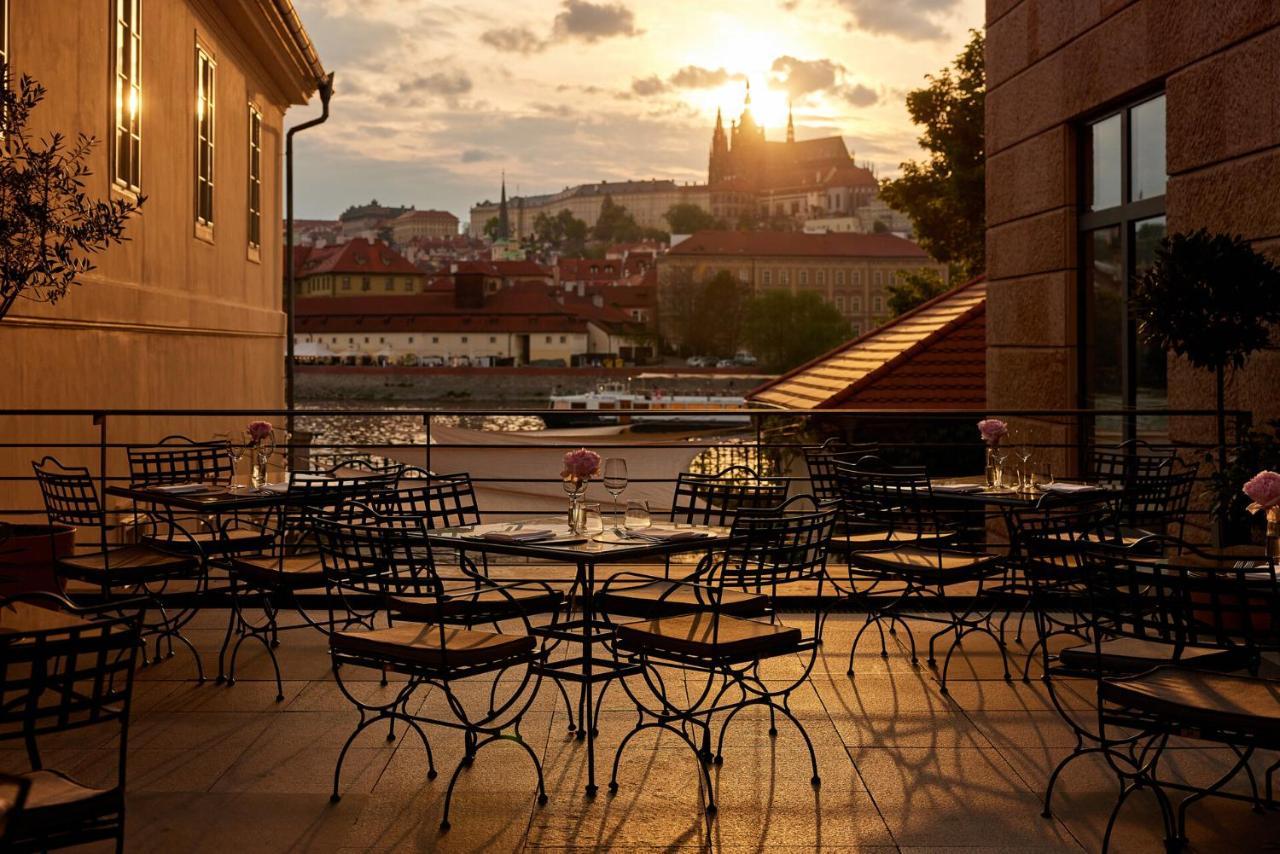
(277, 488)
(1069, 488)
(660, 535)
(179, 488)
(535, 536)
(957, 487)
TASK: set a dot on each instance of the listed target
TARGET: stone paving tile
(904, 767)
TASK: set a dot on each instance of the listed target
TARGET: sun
(747, 54)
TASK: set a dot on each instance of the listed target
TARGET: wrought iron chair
(13, 797)
(720, 649)
(54, 682)
(1133, 458)
(820, 461)
(710, 500)
(385, 562)
(117, 571)
(178, 459)
(912, 563)
(1208, 612)
(290, 563)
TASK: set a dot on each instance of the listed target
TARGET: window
(840, 304)
(839, 277)
(766, 277)
(4, 30)
(784, 277)
(346, 283)
(1123, 183)
(744, 276)
(820, 277)
(204, 141)
(364, 283)
(127, 159)
(389, 285)
(877, 278)
(548, 339)
(410, 339)
(857, 277)
(855, 305)
(255, 177)
(877, 304)
(803, 277)
(562, 339)
(493, 339)
(464, 339)
(856, 329)
(435, 339)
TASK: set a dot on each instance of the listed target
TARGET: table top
(944, 488)
(214, 499)
(609, 548)
(26, 618)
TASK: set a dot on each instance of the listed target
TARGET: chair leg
(491, 739)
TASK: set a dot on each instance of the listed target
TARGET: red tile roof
(505, 269)
(355, 257)
(933, 357)
(794, 243)
(409, 216)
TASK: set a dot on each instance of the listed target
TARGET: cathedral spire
(504, 221)
(791, 125)
(748, 101)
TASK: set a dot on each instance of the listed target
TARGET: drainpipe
(325, 88)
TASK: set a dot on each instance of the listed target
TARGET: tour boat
(656, 407)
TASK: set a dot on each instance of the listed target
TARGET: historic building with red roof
(355, 268)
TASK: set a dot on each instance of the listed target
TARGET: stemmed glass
(236, 447)
(1021, 437)
(615, 481)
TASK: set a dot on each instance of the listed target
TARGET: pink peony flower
(992, 430)
(259, 431)
(1264, 490)
(580, 464)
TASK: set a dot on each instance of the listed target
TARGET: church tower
(791, 125)
(718, 166)
(504, 219)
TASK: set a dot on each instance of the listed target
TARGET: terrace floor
(904, 768)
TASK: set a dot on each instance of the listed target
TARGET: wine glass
(637, 517)
(615, 481)
(236, 447)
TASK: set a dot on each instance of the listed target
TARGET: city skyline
(433, 102)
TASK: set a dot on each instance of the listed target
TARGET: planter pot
(27, 553)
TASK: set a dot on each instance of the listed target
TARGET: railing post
(426, 424)
(100, 421)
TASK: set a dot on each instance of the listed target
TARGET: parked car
(726, 363)
(745, 359)
(699, 361)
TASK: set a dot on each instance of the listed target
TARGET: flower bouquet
(1263, 490)
(578, 468)
(992, 430)
(260, 444)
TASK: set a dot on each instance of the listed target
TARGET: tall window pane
(1103, 184)
(1104, 292)
(1147, 175)
(255, 177)
(127, 162)
(1152, 381)
(204, 137)
(4, 31)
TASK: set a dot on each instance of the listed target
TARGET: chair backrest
(1055, 541)
(442, 500)
(318, 492)
(178, 459)
(375, 554)
(820, 460)
(1186, 601)
(715, 499)
(886, 498)
(778, 546)
(67, 679)
(1133, 458)
(1158, 502)
(70, 495)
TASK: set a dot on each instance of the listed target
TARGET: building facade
(1108, 126)
(646, 201)
(355, 268)
(851, 272)
(371, 221)
(423, 224)
(187, 99)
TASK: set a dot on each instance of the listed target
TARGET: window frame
(206, 103)
(1125, 217)
(254, 210)
(4, 34)
(130, 184)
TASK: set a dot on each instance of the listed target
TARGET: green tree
(616, 224)
(945, 195)
(913, 288)
(703, 317)
(783, 330)
(688, 218)
(564, 231)
(491, 227)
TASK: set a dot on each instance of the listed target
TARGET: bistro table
(586, 669)
(212, 499)
(974, 491)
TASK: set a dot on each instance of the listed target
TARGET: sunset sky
(435, 99)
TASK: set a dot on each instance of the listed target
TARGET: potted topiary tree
(1211, 299)
(48, 223)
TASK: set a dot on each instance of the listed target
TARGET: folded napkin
(1069, 488)
(277, 488)
(535, 536)
(178, 488)
(660, 535)
(962, 488)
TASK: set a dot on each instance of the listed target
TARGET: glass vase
(993, 468)
(258, 458)
(576, 490)
(1273, 533)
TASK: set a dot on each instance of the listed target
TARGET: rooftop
(357, 256)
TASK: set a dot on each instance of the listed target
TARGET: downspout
(325, 88)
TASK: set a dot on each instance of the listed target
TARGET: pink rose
(1264, 490)
(580, 464)
(259, 430)
(992, 429)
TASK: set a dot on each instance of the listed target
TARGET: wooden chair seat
(134, 560)
(291, 572)
(932, 565)
(671, 598)
(859, 538)
(484, 603)
(420, 644)
(215, 542)
(58, 804)
(1135, 655)
(702, 635)
(1201, 698)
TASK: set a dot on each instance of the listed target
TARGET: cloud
(448, 84)
(651, 85)
(478, 155)
(798, 77)
(592, 22)
(514, 40)
(913, 20)
(859, 95)
(696, 77)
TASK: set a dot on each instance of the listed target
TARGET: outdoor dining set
(681, 610)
